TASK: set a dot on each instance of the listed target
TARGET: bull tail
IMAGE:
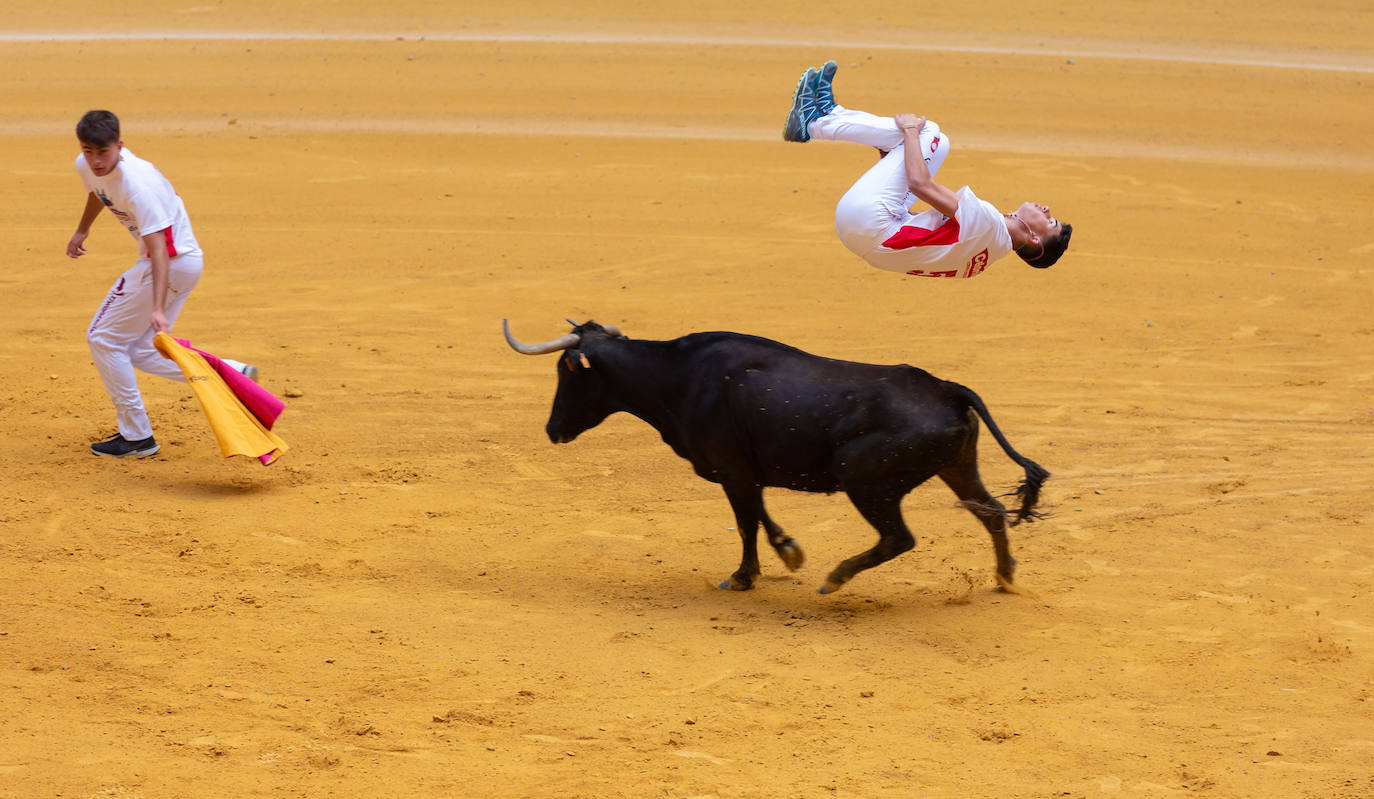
(1036, 475)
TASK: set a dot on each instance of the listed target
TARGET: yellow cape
(239, 431)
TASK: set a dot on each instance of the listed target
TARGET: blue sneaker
(803, 111)
(824, 88)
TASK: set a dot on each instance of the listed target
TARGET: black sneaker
(120, 447)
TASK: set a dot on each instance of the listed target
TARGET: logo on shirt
(978, 263)
(123, 215)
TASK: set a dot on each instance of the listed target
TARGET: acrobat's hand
(907, 122)
(77, 246)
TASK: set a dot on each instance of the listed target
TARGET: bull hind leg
(883, 510)
(964, 481)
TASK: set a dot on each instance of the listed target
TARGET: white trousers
(879, 203)
(121, 337)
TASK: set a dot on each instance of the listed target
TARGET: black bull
(748, 412)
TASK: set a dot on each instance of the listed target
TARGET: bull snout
(558, 434)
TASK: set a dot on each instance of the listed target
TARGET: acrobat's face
(1039, 220)
(102, 158)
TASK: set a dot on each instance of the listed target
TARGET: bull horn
(612, 329)
(561, 343)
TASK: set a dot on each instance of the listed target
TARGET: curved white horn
(561, 343)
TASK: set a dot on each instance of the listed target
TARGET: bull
(748, 413)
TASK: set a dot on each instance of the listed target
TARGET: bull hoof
(791, 554)
(1006, 585)
(830, 587)
(735, 584)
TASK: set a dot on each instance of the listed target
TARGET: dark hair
(1048, 253)
(98, 127)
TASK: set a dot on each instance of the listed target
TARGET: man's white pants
(121, 337)
(879, 203)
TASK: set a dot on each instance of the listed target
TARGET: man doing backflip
(957, 237)
(146, 299)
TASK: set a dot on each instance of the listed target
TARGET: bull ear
(574, 359)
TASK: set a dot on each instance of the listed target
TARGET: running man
(958, 236)
(147, 298)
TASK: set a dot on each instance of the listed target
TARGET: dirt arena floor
(425, 597)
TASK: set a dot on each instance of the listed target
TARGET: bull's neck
(651, 383)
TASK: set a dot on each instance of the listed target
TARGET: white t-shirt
(930, 244)
(143, 201)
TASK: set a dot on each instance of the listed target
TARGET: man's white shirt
(143, 201)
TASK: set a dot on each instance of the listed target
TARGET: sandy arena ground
(425, 597)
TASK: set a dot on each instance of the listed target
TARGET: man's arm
(917, 173)
(76, 247)
(161, 267)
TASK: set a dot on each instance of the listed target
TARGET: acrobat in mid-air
(958, 236)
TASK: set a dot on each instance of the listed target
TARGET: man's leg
(122, 317)
(861, 127)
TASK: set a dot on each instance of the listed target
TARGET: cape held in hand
(241, 412)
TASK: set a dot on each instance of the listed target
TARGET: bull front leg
(747, 503)
(789, 551)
